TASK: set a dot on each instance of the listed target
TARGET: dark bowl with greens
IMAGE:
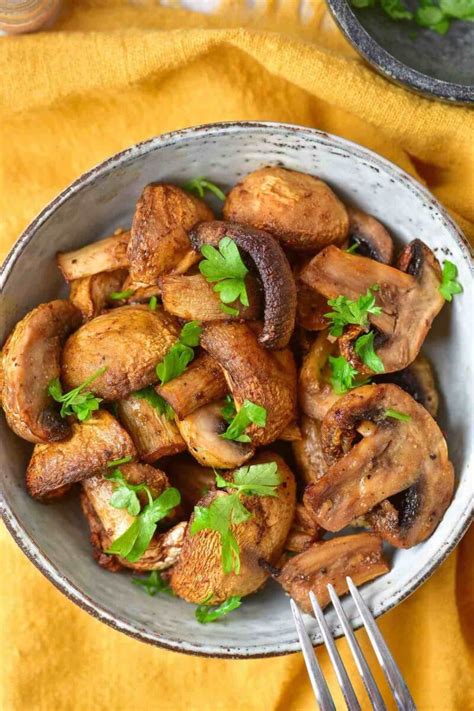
(424, 45)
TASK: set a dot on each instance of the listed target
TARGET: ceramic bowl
(55, 537)
(438, 66)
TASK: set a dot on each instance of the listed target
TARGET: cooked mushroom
(379, 442)
(93, 444)
(304, 530)
(193, 298)
(154, 434)
(291, 433)
(370, 236)
(274, 271)
(254, 374)
(91, 294)
(308, 451)
(198, 572)
(159, 243)
(129, 341)
(315, 393)
(300, 210)
(409, 297)
(106, 255)
(358, 556)
(192, 480)
(201, 383)
(201, 431)
(30, 361)
(417, 380)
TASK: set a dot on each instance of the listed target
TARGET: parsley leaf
(158, 402)
(353, 248)
(347, 311)
(117, 462)
(153, 303)
(397, 415)
(229, 310)
(153, 584)
(228, 412)
(460, 9)
(205, 614)
(78, 401)
(342, 375)
(117, 295)
(432, 16)
(181, 354)
(396, 10)
(200, 185)
(449, 284)
(256, 479)
(249, 413)
(227, 269)
(364, 347)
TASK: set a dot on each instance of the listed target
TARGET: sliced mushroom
(30, 361)
(358, 556)
(300, 210)
(315, 393)
(93, 444)
(274, 271)
(372, 456)
(198, 572)
(201, 431)
(370, 236)
(129, 341)
(304, 530)
(159, 243)
(192, 480)
(154, 435)
(417, 380)
(193, 298)
(254, 374)
(106, 255)
(308, 451)
(291, 433)
(409, 297)
(91, 294)
(201, 383)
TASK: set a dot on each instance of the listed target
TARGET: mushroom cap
(370, 236)
(198, 572)
(418, 380)
(129, 341)
(30, 361)
(300, 210)
(308, 451)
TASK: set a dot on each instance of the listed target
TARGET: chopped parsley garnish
(397, 415)
(353, 248)
(226, 268)
(153, 303)
(249, 413)
(205, 614)
(79, 402)
(347, 311)
(228, 412)
(429, 14)
(118, 462)
(159, 403)
(364, 347)
(229, 310)
(343, 375)
(181, 354)
(117, 295)
(153, 584)
(449, 283)
(200, 185)
(226, 511)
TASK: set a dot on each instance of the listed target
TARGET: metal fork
(323, 696)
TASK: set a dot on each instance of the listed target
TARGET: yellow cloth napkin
(108, 75)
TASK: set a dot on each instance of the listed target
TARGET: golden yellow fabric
(109, 74)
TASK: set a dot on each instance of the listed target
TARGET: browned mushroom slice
(159, 242)
(308, 451)
(370, 236)
(201, 431)
(417, 380)
(202, 382)
(254, 374)
(193, 298)
(274, 271)
(92, 445)
(358, 556)
(291, 433)
(304, 530)
(315, 393)
(30, 361)
(154, 435)
(128, 341)
(300, 210)
(409, 296)
(91, 294)
(379, 442)
(192, 480)
(198, 572)
(106, 255)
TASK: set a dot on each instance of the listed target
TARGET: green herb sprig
(429, 14)
(204, 613)
(257, 479)
(153, 303)
(180, 354)
(347, 311)
(153, 584)
(79, 402)
(118, 295)
(364, 347)
(249, 413)
(396, 415)
(200, 185)
(226, 268)
(159, 403)
(449, 283)
(343, 375)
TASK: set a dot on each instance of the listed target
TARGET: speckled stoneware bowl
(55, 537)
(438, 66)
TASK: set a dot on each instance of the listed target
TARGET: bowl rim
(26, 543)
(392, 68)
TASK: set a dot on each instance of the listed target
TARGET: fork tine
(399, 688)
(342, 677)
(318, 682)
(361, 664)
